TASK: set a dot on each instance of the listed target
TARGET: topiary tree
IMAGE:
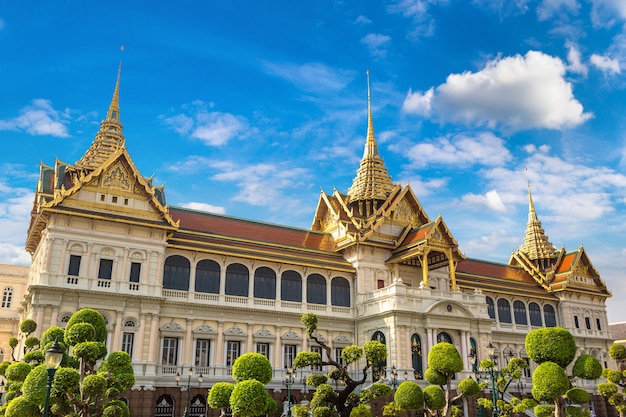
(326, 401)
(248, 397)
(444, 361)
(554, 349)
(92, 392)
(613, 389)
(505, 376)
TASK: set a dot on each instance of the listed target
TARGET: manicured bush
(22, 407)
(28, 326)
(34, 387)
(409, 396)
(219, 395)
(551, 344)
(252, 366)
(445, 359)
(17, 371)
(88, 315)
(248, 398)
(434, 397)
(549, 382)
(587, 367)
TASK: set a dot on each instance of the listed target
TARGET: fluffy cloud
(490, 200)
(15, 206)
(574, 59)
(376, 43)
(311, 77)
(39, 119)
(513, 93)
(608, 12)
(605, 64)
(549, 8)
(460, 151)
(204, 207)
(211, 127)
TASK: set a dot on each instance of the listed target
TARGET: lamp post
(53, 358)
(492, 373)
(189, 374)
(394, 377)
(290, 378)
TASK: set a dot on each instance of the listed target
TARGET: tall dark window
(316, 289)
(598, 324)
(265, 283)
(416, 356)
(576, 323)
(208, 276)
(237, 277)
(340, 292)
(504, 311)
(135, 271)
(170, 351)
(233, 350)
(203, 353)
(176, 273)
(291, 286)
(534, 311)
(105, 271)
(549, 316)
(74, 267)
(519, 310)
(490, 308)
(587, 323)
(7, 297)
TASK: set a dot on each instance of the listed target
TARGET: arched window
(291, 286)
(237, 277)
(549, 316)
(208, 276)
(316, 289)
(474, 359)
(7, 297)
(519, 310)
(197, 407)
(379, 370)
(176, 273)
(534, 311)
(265, 283)
(444, 337)
(340, 292)
(164, 406)
(416, 356)
(490, 309)
(504, 311)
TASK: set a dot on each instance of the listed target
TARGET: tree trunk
(560, 409)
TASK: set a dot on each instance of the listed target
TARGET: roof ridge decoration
(372, 181)
(109, 138)
(536, 244)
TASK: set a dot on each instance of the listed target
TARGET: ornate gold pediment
(117, 177)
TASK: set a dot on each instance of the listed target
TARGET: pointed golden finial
(536, 244)
(372, 181)
(109, 138)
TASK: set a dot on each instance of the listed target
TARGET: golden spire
(536, 244)
(109, 138)
(372, 181)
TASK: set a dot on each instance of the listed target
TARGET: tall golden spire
(109, 138)
(536, 244)
(372, 181)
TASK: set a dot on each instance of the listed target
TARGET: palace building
(184, 289)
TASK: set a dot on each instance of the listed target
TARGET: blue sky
(251, 108)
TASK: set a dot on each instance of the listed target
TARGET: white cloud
(211, 127)
(419, 103)
(413, 8)
(312, 76)
(490, 200)
(460, 151)
(39, 119)
(204, 207)
(376, 43)
(605, 64)
(549, 8)
(263, 184)
(575, 63)
(362, 20)
(606, 13)
(513, 93)
(15, 207)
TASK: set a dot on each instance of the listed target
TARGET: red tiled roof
(250, 230)
(416, 235)
(566, 262)
(498, 278)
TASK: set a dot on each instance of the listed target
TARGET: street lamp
(492, 374)
(189, 374)
(53, 358)
(394, 378)
(290, 378)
